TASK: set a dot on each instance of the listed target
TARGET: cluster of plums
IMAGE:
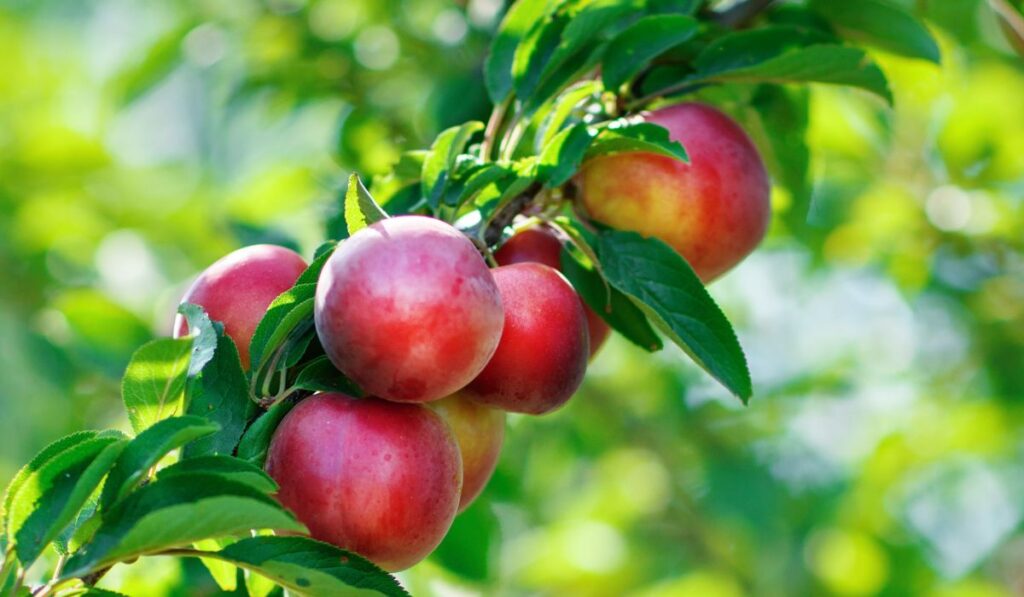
(444, 346)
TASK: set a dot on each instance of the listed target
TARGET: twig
(742, 14)
(493, 127)
(1012, 22)
(506, 214)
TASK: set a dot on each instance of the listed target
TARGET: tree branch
(741, 14)
(506, 214)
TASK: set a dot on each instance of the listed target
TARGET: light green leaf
(444, 153)
(52, 496)
(219, 394)
(283, 315)
(360, 208)
(154, 381)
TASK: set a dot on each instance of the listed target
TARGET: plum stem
(493, 127)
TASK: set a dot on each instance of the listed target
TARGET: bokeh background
(139, 141)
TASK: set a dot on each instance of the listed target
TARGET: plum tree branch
(505, 215)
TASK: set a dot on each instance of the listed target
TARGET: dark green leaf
(219, 394)
(146, 450)
(52, 496)
(783, 117)
(229, 467)
(517, 22)
(283, 315)
(177, 511)
(685, 7)
(632, 50)
(562, 157)
(664, 286)
(308, 566)
(788, 55)
(320, 257)
(154, 381)
(622, 136)
(320, 375)
(615, 308)
(880, 23)
(469, 548)
(360, 208)
(256, 440)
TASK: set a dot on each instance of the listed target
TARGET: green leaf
(782, 54)
(254, 444)
(219, 394)
(686, 7)
(228, 467)
(469, 548)
(320, 375)
(498, 67)
(664, 286)
(146, 450)
(27, 472)
(283, 315)
(578, 31)
(631, 50)
(153, 383)
(320, 257)
(562, 109)
(489, 174)
(623, 136)
(52, 496)
(611, 305)
(561, 158)
(308, 566)
(178, 511)
(360, 208)
(444, 153)
(783, 115)
(410, 164)
(880, 23)
(203, 332)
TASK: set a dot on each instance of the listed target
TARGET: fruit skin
(542, 356)
(479, 431)
(378, 478)
(237, 289)
(714, 211)
(538, 244)
(407, 309)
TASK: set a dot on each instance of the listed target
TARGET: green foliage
(567, 80)
(154, 381)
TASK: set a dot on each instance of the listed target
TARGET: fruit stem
(493, 127)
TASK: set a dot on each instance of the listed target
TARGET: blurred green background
(140, 141)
